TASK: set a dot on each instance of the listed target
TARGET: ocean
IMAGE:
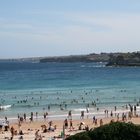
(56, 88)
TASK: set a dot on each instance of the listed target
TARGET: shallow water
(35, 86)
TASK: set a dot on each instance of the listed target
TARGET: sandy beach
(30, 128)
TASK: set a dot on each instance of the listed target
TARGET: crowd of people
(48, 125)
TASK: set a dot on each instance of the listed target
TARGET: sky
(34, 28)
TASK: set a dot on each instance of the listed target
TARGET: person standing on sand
(82, 114)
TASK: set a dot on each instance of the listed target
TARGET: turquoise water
(66, 86)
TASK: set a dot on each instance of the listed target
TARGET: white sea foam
(4, 107)
(80, 109)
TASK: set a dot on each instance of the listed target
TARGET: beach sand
(29, 128)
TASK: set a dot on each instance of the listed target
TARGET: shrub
(112, 131)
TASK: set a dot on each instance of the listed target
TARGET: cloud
(79, 33)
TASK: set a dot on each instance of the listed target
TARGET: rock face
(124, 59)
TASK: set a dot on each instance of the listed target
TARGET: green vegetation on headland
(103, 57)
(112, 131)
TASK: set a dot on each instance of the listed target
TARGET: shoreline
(99, 114)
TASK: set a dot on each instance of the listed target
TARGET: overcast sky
(64, 27)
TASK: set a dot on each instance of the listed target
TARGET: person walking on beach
(87, 109)
(111, 114)
(82, 114)
(24, 116)
(36, 115)
(31, 119)
(70, 115)
(135, 111)
(131, 109)
(94, 119)
(115, 109)
(5, 119)
(118, 117)
(18, 116)
(66, 123)
(12, 130)
(101, 122)
(71, 124)
(107, 113)
(44, 116)
(49, 107)
(96, 122)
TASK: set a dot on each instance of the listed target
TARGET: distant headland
(112, 59)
